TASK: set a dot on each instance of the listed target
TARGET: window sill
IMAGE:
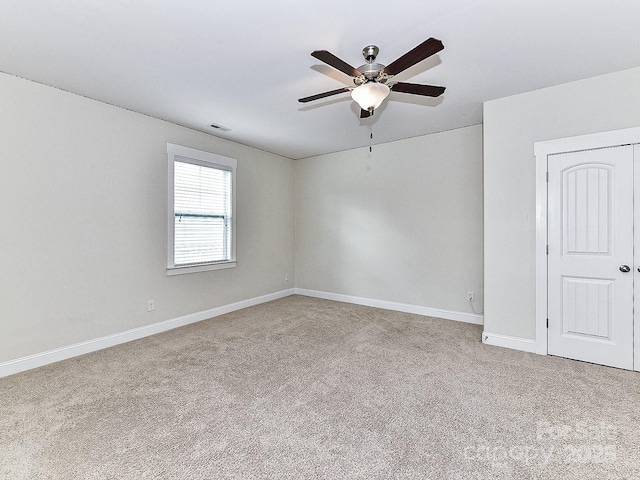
(200, 268)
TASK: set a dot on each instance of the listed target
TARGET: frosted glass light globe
(370, 95)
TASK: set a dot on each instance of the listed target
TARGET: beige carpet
(306, 388)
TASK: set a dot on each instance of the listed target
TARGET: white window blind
(201, 210)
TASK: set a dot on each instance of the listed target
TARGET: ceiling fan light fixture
(370, 95)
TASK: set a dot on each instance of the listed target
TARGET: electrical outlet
(286, 277)
(151, 305)
(471, 296)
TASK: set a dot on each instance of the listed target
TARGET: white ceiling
(243, 64)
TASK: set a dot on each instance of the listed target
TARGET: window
(201, 211)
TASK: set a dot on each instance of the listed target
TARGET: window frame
(205, 159)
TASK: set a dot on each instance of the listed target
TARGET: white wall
(83, 221)
(403, 224)
(511, 126)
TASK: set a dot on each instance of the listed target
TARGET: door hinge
(547, 249)
(547, 323)
(547, 177)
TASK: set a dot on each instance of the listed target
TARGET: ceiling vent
(219, 127)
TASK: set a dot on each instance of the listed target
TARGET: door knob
(625, 268)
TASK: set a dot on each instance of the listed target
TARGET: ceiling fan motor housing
(370, 72)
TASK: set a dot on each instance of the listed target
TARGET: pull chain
(370, 137)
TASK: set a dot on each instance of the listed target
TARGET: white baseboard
(515, 343)
(400, 307)
(40, 359)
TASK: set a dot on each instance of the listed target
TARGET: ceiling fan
(373, 81)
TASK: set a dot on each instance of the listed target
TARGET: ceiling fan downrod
(370, 52)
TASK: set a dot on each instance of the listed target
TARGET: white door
(636, 266)
(590, 261)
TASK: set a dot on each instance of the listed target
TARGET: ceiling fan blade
(424, 50)
(417, 89)
(324, 94)
(364, 113)
(335, 62)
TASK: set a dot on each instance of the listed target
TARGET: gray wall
(403, 224)
(83, 196)
(511, 126)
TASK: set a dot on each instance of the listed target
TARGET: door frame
(542, 151)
